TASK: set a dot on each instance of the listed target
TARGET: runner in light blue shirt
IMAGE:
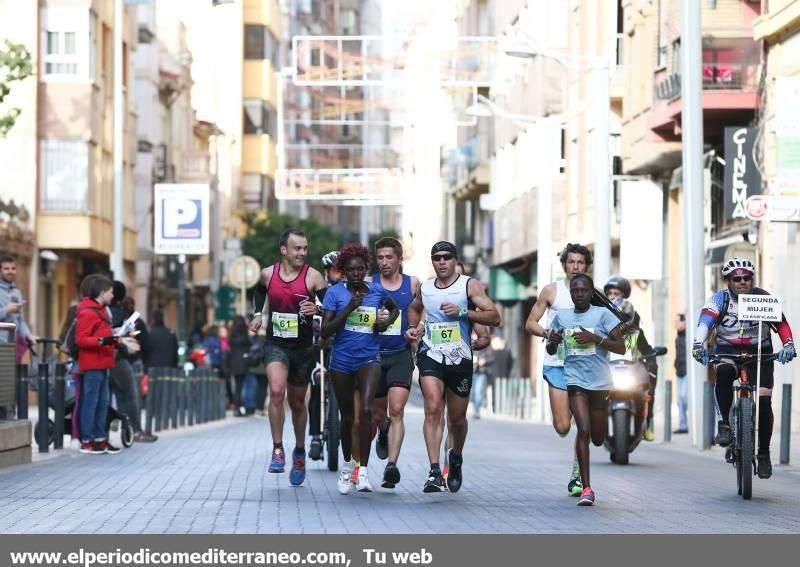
(588, 333)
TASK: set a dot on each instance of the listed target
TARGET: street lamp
(483, 107)
(525, 47)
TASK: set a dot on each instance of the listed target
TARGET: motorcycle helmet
(620, 283)
(736, 264)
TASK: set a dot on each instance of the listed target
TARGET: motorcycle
(627, 405)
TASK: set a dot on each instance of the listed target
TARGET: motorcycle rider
(733, 337)
(618, 291)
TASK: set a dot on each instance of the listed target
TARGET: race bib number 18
(361, 320)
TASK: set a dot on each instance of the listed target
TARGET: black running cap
(444, 246)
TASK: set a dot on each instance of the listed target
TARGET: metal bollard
(22, 391)
(43, 429)
(786, 423)
(58, 404)
(173, 402)
(181, 400)
(708, 416)
(668, 412)
(152, 374)
(202, 382)
(191, 418)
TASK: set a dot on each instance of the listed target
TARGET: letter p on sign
(181, 218)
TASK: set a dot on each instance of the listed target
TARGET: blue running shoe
(298, 473)
(278, 462)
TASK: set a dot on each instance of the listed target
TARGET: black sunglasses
(740, 279)
(448, 256)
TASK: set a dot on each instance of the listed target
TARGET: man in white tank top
(555, 296)
(452, 303)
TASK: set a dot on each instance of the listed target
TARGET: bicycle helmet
(329, 259)
(735, 264)
(620, 283)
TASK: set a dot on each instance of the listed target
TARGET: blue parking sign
(181, 218)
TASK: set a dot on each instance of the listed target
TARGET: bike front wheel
(745, 440)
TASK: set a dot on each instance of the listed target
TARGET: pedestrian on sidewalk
(97, 344)
(680, 375)
(136, 359)
(12, 308)
(162, 344)
(588, 333)
(239, 361)
(123, 385)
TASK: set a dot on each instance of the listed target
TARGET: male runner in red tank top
(288, 313)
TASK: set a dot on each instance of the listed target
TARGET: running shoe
(345, 482)
(435, 483)
(587, 497)
(278, 462)
(764, 465)
(363, 485)
(574, 486)
(106, 447)
(391, 476)
(87, 448)
(298, 473)
(454, 477)
(382, 444)
(445, 471)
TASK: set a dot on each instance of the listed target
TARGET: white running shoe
(363, 484)
(345, 481)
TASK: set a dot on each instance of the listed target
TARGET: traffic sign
(244, 272)
(181, 218)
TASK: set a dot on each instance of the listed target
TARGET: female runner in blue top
(350, 311)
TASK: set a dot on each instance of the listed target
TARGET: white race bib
(361, 320)
(573, 348)
(394, 328)
(445, 336)
(284, 325)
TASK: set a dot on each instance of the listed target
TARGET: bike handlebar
(742, 358)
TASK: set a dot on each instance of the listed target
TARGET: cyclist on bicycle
(734, 337)
(332, 277)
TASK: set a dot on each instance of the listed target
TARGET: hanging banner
(641, 230)
(742, 179)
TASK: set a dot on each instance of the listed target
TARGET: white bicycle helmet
(737, 264)
(329, 259)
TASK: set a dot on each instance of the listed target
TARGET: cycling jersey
(733, 333)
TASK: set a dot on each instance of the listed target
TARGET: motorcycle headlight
(623, 379)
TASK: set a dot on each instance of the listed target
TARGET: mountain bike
(741, 452)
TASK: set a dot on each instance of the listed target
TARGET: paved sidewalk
(212, 479)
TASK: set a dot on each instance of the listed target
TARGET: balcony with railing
(730, 74)
(468, 168)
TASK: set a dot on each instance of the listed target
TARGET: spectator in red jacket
(96, 343)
